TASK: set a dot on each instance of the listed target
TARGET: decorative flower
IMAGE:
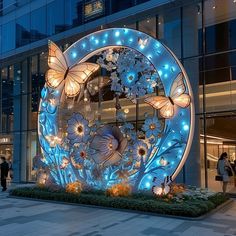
(115, 84)
(108, 146)
(129, 78)
(151, 126)
(75, 187)
(79, 154)
(78, 129)
(119, 190)
(126, 59)
(140, 150)
(111, 56)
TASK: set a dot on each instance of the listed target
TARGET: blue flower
(126, 128)
(128, 79)
(140, 150)
(151, 126)
(78, 129)
(80, 153)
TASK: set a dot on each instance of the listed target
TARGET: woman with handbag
(225, 170)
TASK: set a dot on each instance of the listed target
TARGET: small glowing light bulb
(126, 110)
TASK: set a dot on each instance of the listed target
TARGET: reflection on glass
(8, 30)
(169, 30)
(55, 18)
(23, 30)
(38, 24)
(148, 26)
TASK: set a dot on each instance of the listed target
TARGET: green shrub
(139, 202)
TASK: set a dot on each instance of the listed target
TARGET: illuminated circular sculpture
(80, 142)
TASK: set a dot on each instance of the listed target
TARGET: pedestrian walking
(224, 170)
(4, 173)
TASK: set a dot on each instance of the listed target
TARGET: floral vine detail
(130, 72)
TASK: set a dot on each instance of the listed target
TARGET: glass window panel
(38, 24)
(232, 33)
(169, 30)
(73, 13)
(55, 19)
(23, 30)
(121, 5)
(218, 11)
(148, 26)
(43, 62)
(192, 18)
(4, 72)
(8, 32)
(11, 73)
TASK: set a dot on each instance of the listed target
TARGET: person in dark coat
(4, 173)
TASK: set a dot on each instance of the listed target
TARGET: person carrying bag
(224, 171)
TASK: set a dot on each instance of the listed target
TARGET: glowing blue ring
(167, 66)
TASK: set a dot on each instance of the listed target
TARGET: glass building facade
(202, 34)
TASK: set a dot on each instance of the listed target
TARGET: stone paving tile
(32, 218)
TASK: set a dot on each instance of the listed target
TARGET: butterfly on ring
(177, 97)
(73, 76)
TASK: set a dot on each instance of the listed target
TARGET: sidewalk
(31, 218)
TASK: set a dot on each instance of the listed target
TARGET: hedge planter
(189, 207)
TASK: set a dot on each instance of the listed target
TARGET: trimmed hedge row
(190, 208)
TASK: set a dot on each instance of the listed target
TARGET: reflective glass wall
(201, 34)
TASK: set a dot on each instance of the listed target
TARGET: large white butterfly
(168, 105)
(59, 71)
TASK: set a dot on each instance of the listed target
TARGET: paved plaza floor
(28, 218)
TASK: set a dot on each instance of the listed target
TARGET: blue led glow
(186, 127)
(166, 66)
(160, 72)
(126, 31)
(141, 46)
(96, 41)
(131, 40)
(74, 54)
(165, 75)
(149, 177)
(118, 42)
(148, 185)
(117, 33)
(83, 45)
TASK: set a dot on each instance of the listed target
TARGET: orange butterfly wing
(54, 78)
(57, 64)
(56, 59)
(162, 103)
(167, 111)
(78, 74)
(82, 71)
(177, 94)
(178, 87)
(182, 101)
(157, 102)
